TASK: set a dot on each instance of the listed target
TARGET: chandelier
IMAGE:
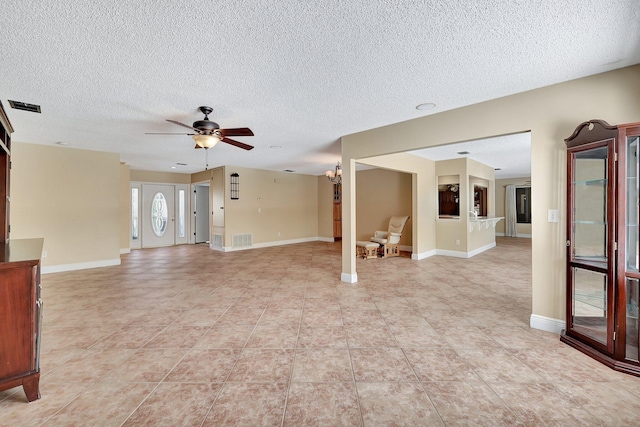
(335, 176)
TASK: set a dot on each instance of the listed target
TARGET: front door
(158, 212)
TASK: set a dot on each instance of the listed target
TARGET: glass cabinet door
(632, 267)
(590, 279)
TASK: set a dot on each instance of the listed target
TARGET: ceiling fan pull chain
(206, 157)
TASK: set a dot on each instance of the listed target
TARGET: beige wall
(551, 114)
(160, 177)
(381, 194)
(70, 197)
(125, 208)
(523, 229)
(273, 206)
(424, 209)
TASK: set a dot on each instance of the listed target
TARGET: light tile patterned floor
(186, 336)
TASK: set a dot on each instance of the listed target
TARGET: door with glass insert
(629, 299)
(158, 215)
(590, 244)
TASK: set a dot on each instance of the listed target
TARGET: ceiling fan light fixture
(206, 141)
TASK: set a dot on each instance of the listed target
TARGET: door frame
(192, 200)
(194, 207)
(137, 244)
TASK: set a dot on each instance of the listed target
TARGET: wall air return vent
(17, 105)
(242, 240)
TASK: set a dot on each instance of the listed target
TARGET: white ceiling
(511, 154)
(299, 73)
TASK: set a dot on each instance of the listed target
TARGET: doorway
(159, 215)
(201, 213)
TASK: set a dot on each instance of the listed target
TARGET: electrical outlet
(458, 242)
(278, 234)
(259, 210)
(44, 254)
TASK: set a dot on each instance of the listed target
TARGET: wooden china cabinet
(20, 302)
(603, 264)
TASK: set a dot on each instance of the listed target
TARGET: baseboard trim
(455, 254)
(349, 278)
(547, 324)
(423, 255)
(326, 239)
(460, 254)
(524, 236)
(80, 266)
(124, 251)
(271, 244)
(481, 249)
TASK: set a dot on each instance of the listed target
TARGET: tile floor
(185, 336)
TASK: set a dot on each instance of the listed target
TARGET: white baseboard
(481, 249)
(124, 251)
(461, 254)
(423, 255)
(349, 278)
(270, 244)
(456, 254)
(524, 236)
(326, 239)
(547, 324)
(79, 266)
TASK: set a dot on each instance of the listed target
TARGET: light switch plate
(552, 215)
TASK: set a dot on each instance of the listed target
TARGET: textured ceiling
(299, 73)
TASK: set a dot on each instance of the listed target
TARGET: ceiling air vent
(24, 106)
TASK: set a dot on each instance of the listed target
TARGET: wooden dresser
(20, 316)
(20, 303)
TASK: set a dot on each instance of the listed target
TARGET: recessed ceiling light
(275, 147)
(462, 153)
(173, 167)
(426, 106)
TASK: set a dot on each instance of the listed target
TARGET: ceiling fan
(209, 133)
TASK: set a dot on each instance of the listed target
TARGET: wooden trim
(600, 130)
(4, 119)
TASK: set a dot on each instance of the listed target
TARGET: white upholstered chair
(388, 240)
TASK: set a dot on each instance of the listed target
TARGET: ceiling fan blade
(236, 132)
(167, 133)
(237, 144)
(183, 125)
